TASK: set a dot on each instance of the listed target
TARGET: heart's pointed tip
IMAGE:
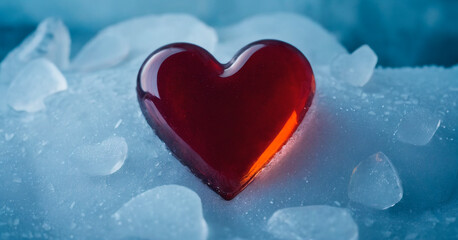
(228, 197)
(225, 190)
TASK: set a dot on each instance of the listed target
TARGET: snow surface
(46, 194)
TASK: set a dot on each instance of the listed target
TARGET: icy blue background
(402, 33)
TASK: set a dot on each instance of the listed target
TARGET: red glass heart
(225, 122)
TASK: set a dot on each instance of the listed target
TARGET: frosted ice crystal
(356, 68)
(103, 51)
(51, 40)
(37, 80)
(103, 158)
(319, 46)
(375, 183)
(145, 34)
(418, 126)
(313, 222)
(167, 212)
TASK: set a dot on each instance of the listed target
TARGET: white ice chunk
(375, 183)
(318, 45)
(356, 68)
(166, 212)
(37, 80)
(146, 34)
(102, 158)
(418, 127)
(318, 222)
(103, 51)
(50, 40)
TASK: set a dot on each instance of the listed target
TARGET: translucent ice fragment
(356, 68)
(145, 34)
(37, 80)
(50, 40)
(375, 183)
(102, 158)
(418, 126)
(318, 45)
(165, 212)
(103, 51)
(313, 222)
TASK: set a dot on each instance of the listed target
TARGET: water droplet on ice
(375, 183)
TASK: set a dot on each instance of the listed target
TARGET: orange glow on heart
(273, 148)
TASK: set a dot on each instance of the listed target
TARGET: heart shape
(225, 122)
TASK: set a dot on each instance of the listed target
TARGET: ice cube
(167, 212)
(318, 45)
(145, 34)
(375, 183)
(102, 51)
(37, 80)
(356, 68)
(102, 158)
(51, 40)
(418, 126)
(313, 222)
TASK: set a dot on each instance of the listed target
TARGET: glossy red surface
(225, 122)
